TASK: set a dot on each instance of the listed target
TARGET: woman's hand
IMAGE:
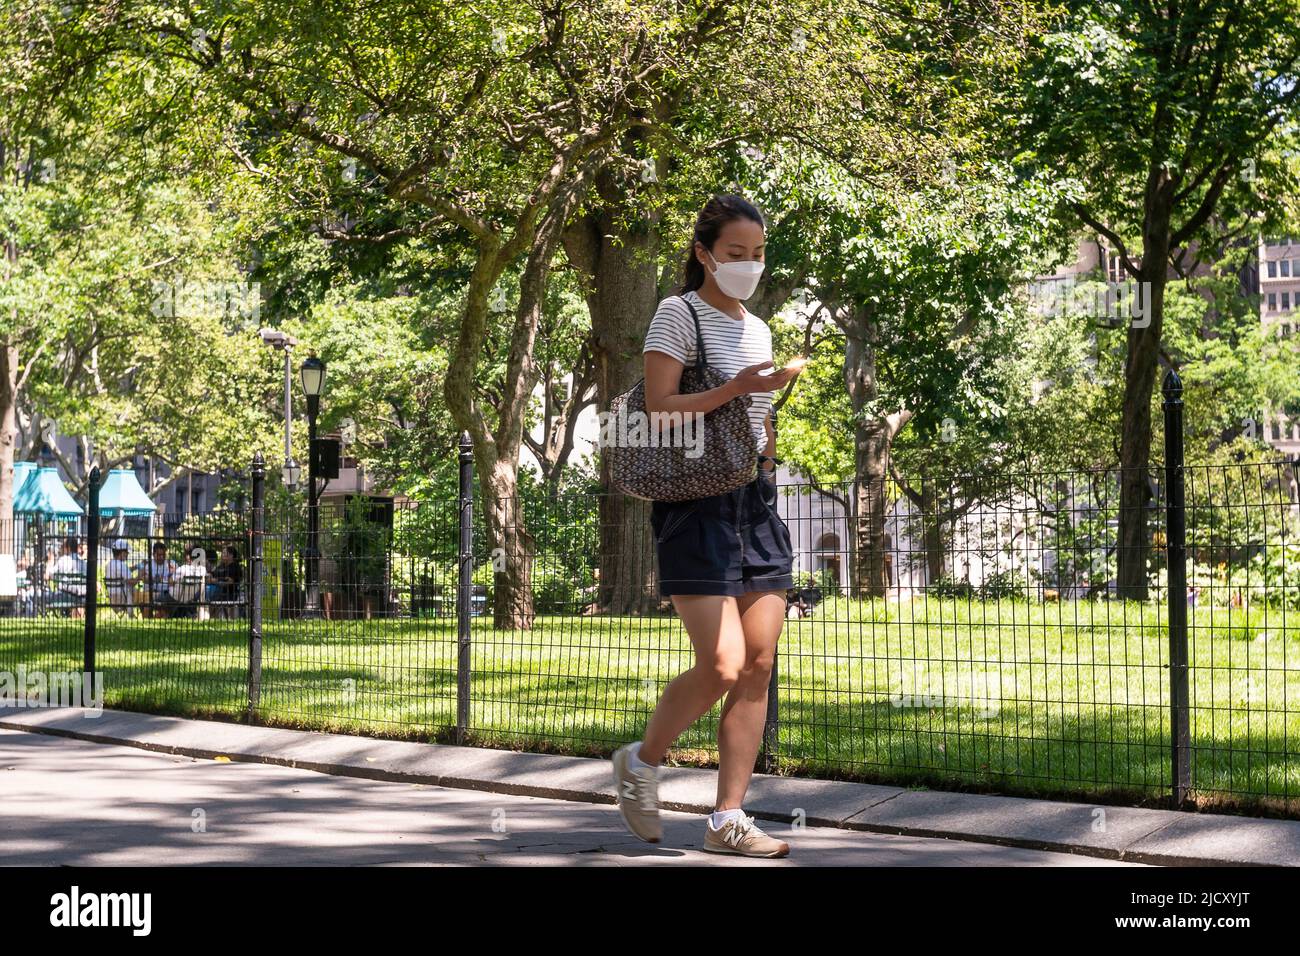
(752, 379)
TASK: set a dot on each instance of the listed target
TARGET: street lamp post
(313, 383)
(284, 342)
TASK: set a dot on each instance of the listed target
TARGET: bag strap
(700, 358)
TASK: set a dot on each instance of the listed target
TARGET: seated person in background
(800, 602)
(795, 606)
(69, 577)
(26, 604)
(51, 559)
(592, 595)
(117, 578)
(190, 583)
(158, 575)
(224, 583)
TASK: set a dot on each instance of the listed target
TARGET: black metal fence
(962, 630)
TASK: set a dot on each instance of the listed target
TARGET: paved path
(66, 801)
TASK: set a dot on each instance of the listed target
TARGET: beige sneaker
(742, 837)
(638, 797)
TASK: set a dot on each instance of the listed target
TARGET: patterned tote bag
(667, 465)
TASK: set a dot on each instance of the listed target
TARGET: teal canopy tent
(43, 494)
(22, 471)
(121, 495)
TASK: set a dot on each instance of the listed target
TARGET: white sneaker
(638, 796)
(741, 836)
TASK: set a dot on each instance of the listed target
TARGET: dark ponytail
(717, 212)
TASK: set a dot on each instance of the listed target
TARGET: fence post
(464, 585)
(1176, 555)
(771, 723)
(92, 573)
(41, 597)
(254, 585)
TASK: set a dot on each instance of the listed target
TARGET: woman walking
(725, 561)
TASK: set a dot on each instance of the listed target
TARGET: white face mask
(737, 279)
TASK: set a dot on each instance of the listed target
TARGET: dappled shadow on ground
(76, 803)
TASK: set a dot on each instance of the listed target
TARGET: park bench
(441, 600)
(812, 596)
(120, 591)
(69, 592)
(189, 588)
(230, 606)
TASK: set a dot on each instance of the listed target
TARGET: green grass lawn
(1066, 698)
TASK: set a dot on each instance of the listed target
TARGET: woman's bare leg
(740, 731)
(713, 624)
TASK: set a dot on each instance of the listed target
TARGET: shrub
(1004, 585)
(557, 591)
(949, 587)
(827, 580)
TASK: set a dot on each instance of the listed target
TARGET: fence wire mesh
(993, 631)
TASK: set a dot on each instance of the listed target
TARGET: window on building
(1286, 301)
(1272, 302)
(1285, 266)
(1272, 269)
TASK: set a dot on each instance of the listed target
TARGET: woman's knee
(724, 670)
(759, 667)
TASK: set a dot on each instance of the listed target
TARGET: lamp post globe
(312, 376)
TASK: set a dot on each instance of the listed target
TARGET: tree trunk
(872, 442)
(873, 439)
(8, 435)
(496, 448)
(932, 531)
(622, 269)
(1139, 380)
(1134, 490)
(512, 548)
(8, 406)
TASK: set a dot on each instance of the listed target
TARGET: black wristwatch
(774, 461)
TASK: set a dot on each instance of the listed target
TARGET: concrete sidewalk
(68, 802)
(1163, 837)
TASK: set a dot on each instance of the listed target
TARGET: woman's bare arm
(663, 377)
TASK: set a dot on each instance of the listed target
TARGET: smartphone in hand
(794, 365)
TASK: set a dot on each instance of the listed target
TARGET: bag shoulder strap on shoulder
(700, 358)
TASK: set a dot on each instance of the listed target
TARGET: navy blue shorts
(731, 543)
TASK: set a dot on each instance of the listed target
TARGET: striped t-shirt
(729, 345)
